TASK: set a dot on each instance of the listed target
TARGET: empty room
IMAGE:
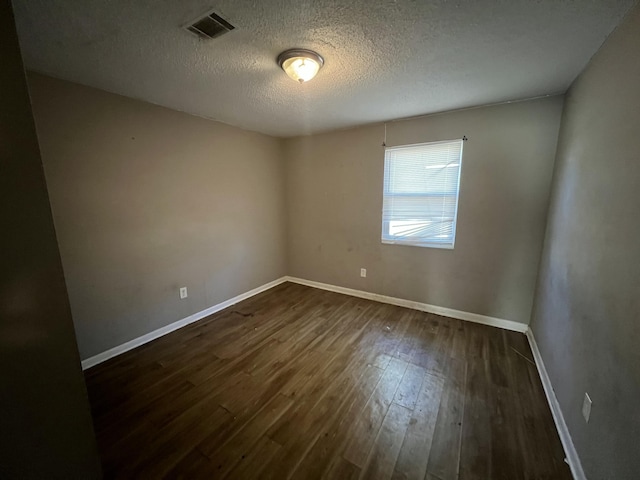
(377, 239)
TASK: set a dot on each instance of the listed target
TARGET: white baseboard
(448, 312)
(136, 342)
(565, 437)
(424, 307)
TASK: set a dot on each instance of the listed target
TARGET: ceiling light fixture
(300, 64)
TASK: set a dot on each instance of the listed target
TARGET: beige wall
(587, 313)
(45, 423)
(146, 200)
(334, 188)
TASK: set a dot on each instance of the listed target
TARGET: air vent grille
(210, 26)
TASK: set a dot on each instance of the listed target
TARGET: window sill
(418, 244)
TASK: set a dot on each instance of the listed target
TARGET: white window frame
(387, 238)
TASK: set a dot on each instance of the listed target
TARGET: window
(421, 186)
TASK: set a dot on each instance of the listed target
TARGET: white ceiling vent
(209, 26)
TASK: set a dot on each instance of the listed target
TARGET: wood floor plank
(506, 457)
(383, 455)
(411, 341)
(295, 450)
(313, 415)
(426, 341)
(186, 432)
(303, 383)
(444, 457)
(252, 406)
(253, 464)
(373, 414)
(395, 330)
(410, 386)
(342, 469)
(195, 464)
(237, 446)
(416, 446)
(331, 439)
(476, 436)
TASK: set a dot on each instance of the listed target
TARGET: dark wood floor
(302, 383)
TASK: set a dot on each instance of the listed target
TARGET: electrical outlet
(586, 407)
(183, 292)
(363, 272)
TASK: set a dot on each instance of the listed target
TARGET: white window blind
(421, 187)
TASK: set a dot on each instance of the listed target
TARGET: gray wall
(45, 423)
(587, 313)
(334, 189)
(146, 200)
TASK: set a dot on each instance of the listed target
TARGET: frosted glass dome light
(301, 65)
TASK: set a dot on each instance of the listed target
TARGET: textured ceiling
(384, 59)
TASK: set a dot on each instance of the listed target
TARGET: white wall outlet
(363, 272)
(586, 407)
(183, 292)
